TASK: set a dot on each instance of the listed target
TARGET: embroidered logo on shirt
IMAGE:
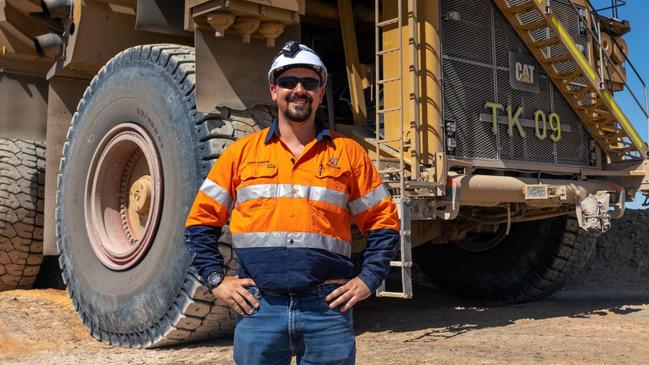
(333, 162)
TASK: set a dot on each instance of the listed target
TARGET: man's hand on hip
(233, 291)
(351, 292)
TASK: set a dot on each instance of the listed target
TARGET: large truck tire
(532, 262)
(136, 153)
(22, 180)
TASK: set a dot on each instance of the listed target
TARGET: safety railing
(605, 60)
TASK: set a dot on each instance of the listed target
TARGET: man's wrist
(214, 280)
(371, 280)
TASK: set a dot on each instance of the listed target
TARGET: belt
(321, 291)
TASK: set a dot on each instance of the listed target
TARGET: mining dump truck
(494, 124)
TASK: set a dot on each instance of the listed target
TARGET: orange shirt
(277, 201)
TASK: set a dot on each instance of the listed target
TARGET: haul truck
(493, 123)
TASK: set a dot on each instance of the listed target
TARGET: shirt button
(293, 191)
(291, 241)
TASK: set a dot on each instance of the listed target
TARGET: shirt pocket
(258, 172)
(259, 184)
(333, 178)
(332, 200)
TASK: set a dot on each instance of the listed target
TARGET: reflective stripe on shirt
(216, 192)
(314, 193)
(369, 200)
(292, 240)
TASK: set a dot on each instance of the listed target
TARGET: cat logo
(523, 73)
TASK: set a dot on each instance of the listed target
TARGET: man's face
(297, 104)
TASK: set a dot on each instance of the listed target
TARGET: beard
(298, 112)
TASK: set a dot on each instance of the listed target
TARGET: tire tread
(572, 254)
(22, 189)
(535, 277)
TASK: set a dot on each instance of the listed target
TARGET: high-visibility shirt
(290, 217)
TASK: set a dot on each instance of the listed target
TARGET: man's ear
(322, 92)
(273, 91)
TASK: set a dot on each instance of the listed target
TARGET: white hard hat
(294, 54)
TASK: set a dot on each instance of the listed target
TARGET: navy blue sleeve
(382, 246)
(203, 247)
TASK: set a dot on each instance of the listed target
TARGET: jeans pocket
(254, 291)
(326, 289)
(323, 291)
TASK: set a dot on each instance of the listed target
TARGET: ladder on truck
(581, 85)
(397, 145)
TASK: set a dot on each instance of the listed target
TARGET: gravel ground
(601, 317)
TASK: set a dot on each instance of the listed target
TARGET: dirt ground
(601, 317)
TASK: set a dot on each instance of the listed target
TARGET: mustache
(294, 97)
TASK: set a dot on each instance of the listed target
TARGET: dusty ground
(602, 317)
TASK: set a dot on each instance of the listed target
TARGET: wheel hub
(140, 196)
(123, 196)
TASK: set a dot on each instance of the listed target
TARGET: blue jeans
(300, 324)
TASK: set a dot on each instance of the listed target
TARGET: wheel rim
(123, 196)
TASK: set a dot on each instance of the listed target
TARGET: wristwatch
(214, 280)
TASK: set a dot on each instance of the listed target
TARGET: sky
(637, 13)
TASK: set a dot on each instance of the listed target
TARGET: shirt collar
(321, 132)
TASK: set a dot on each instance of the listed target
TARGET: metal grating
(476, 71)
(461, 104)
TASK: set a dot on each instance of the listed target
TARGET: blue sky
(637, 13)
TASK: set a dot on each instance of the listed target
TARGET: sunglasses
(290, 82)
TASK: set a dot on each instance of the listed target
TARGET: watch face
(214, 279)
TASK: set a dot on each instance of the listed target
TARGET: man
(292, 190)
